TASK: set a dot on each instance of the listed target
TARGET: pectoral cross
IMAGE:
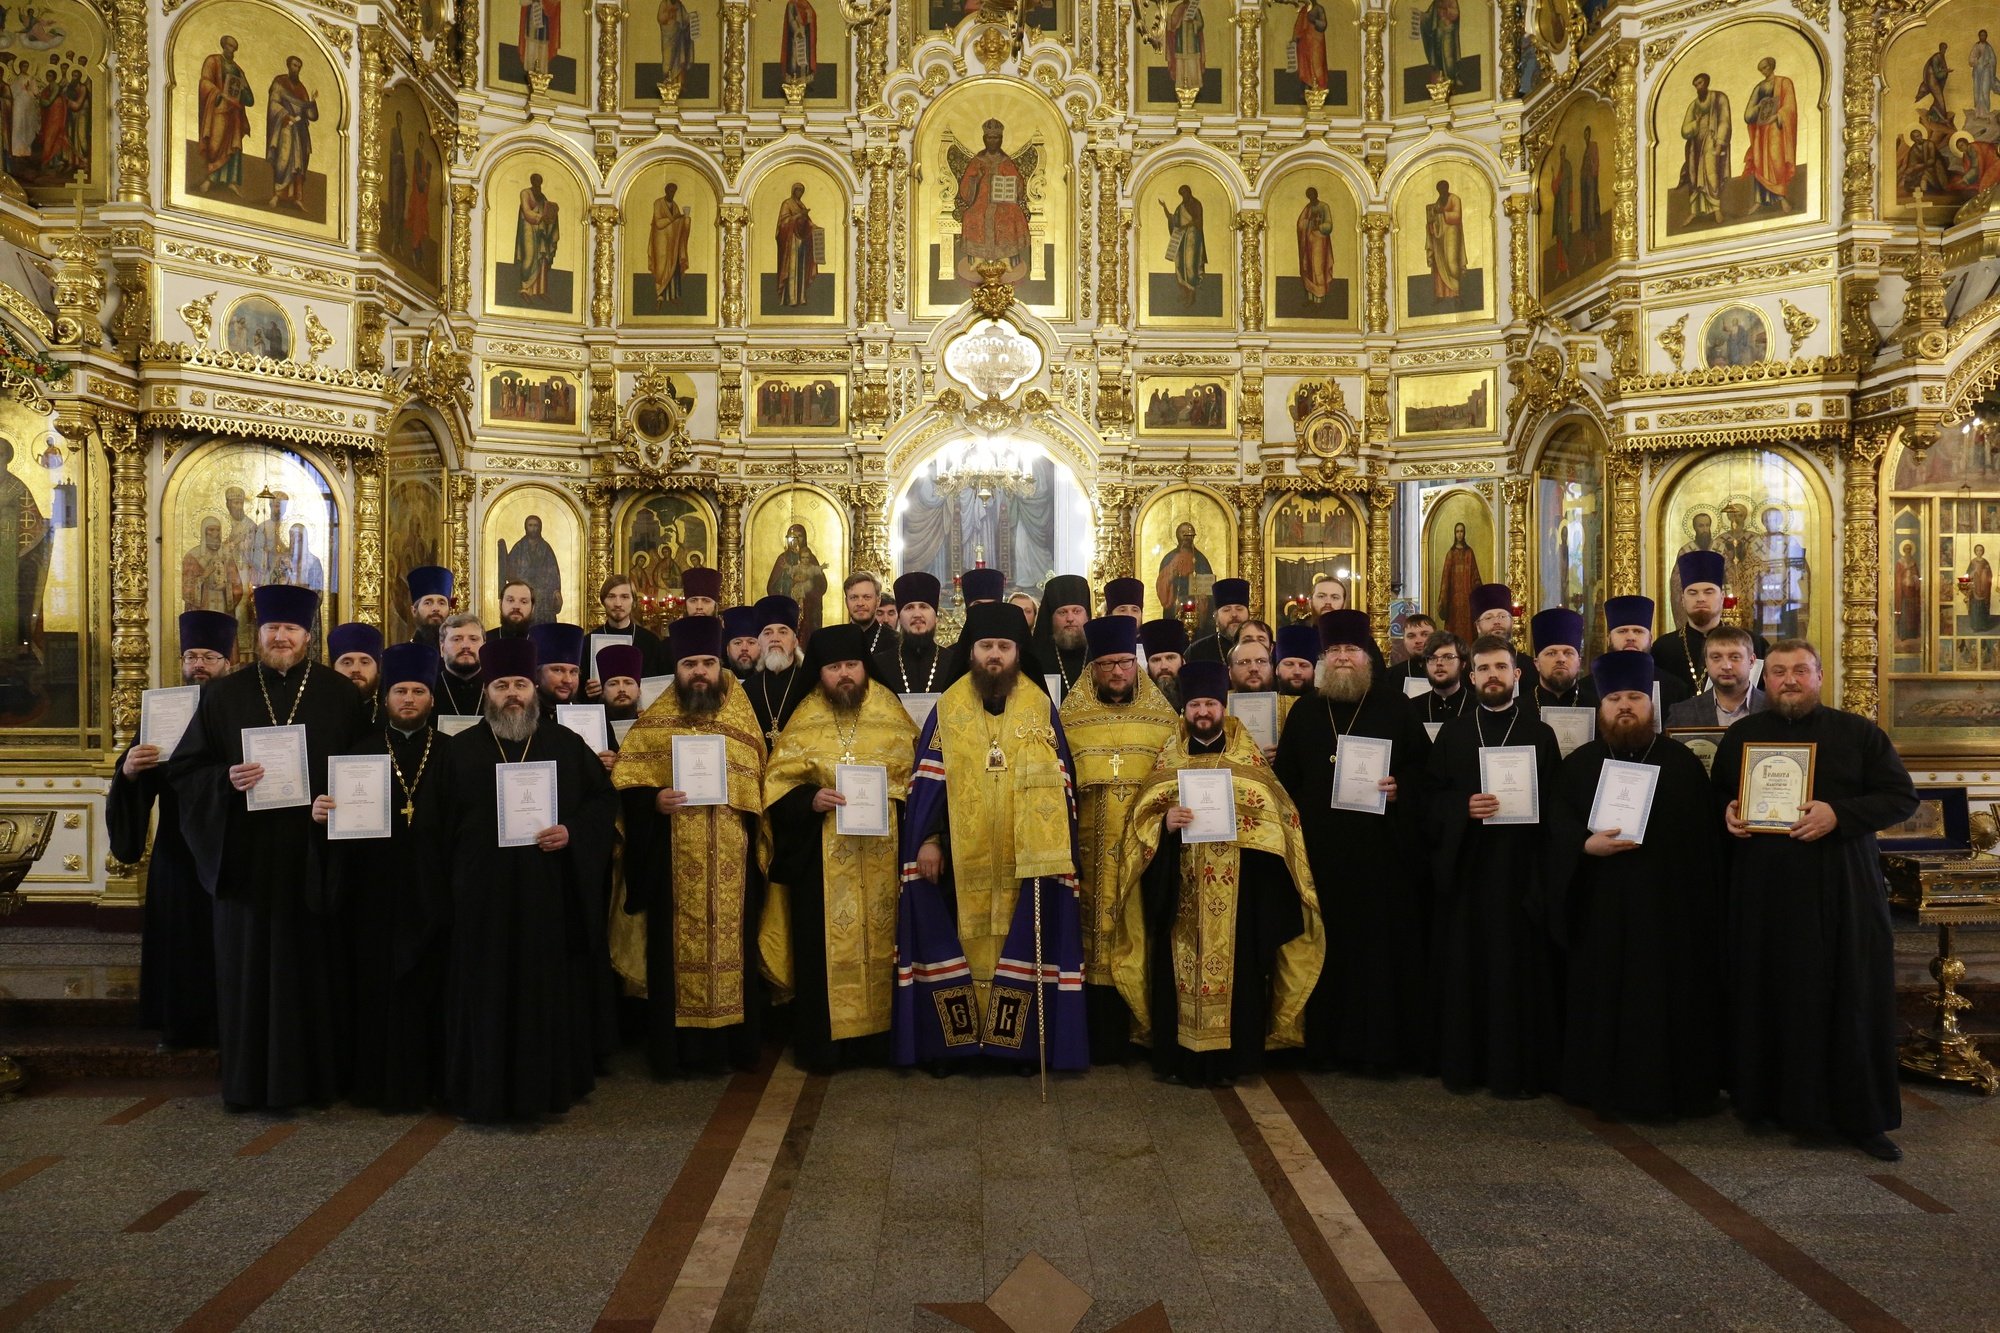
(847, 756)
(1117, 763)
(771, 736)
(409, 811)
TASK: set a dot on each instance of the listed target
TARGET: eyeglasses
(1442, 657)
(192, 658)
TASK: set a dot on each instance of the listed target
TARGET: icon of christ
(992, 205)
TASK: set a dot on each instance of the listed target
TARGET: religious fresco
(1459, 555)
(797, 548)
(792, 43)
(1459, 402)
(1767, 518)
(1573, 196)
(1187, 540)
(46, 606)
(1738, 134)
(257, 326)
(1312, 252)
(661, 537)
(534, 534)
(798, 404)
(415, 188)
(1736, 335)
(1313, 52)
(1310, 536)
(1184, 405)
(536, 230)
(1433, 38)
(543, 38)
(257, 116)
(1033, 527)
(1186, 249)
(54, 110)
(532, 396)
(798, 247)
(996, 188)
(1569, 529)
(1941, 111)
(668, 248)
(240, 515)
(673, 54)
(1443, 240)
(1187, 45)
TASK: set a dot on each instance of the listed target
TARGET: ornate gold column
(1514, 494)
(734, 217)
(1520, 253)
(868, 528)
(1627, 572)
(1381, 498)
(735, 27)
(78, 289)
(374, 68)
(1251, 223)
(369, 522)
(597, 497)
(471, 42)
(604, 274)
(1111, 164)
(131, 587)
(129, 40)
(1510, 51)
(1861, 572)
(1376, 228)
(1863, 47)
(875, 287)
(463, 197)
(729, 540)
(1625, 158)
(610, 22)
(1250, 63)
(459, 488)
(1249, 502)
(1125, 268)
(873, 66)
(1114, 532)
(1375, 61)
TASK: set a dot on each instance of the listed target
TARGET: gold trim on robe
(711, 853)
(1204, 931)
(1113, 748)
(861, 875)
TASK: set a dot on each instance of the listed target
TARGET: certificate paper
(1508, 772)
(1211, 794)
(701, 769)
(164, 714)
(1052, 683)
(866, 787)
(1573, 727)
(359, 785)
(1703, 741)
(598, 643)
(1624, 799)
(525, 800)
(1777, 786)
(282, 752)
(1416, 687)
(587, 721)
(651, 688)
(1359, 763)
(450, 724)
(1259, 715)
(919, 706)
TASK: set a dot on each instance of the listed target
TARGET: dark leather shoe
(1879, 1146)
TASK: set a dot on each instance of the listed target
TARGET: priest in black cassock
(1231, 600)
(177, 939)
(1058, 642)
(458, 692)
(394, 898)
(278, 986)
(1640, 912)
(739, 643)
(558, 665)
(355, 651)
(1628, 626)
(617, 599)
(910, 662)
(1679, 654)
(1165, 644)
(1557, 635)
(976, 586)
(1445, 667)
(779, 686)
(1499, 1016)
(1810, 958)
(527, 923)
(430, 589)
(1372, 1009)
(1125, 597)
(620, 668)
(701, 595)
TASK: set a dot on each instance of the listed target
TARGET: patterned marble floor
(874, 1200)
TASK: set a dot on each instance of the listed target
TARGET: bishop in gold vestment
(693, 870)
(1116, 720)
(1219, 943)
(832, 893)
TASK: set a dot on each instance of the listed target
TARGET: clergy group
(1067, 837)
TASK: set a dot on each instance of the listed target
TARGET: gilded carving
(370, 325)
(131, 586)
(463, 197)
(133, 324)
(131, 43)
(735, 58)
(1375, 226)
(1250, 63)
(1673, 340)
(1520, 236)
(1738, 275)
(1799, 325)
(1622, 471)
(79, 288)
(610, 23)
(1375, 60)
(1514, 493)
(1862, 61)
(734, 218)
(1251, 224)
(604, 268)
(1380, 500)
(1860, 690)
(1625, 158)
(369, 525)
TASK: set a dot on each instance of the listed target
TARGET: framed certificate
(524, 798)
(866, 787)
(1258, 712)
(1359, 762)
(1624, 799)
(587, 721)
(1574, 727)
(1416, 687)
(1508, 772)
(164, 715)
(360, 786)
(651, 688)
(282, 752)
(1702, 741)
(598, 643)
(919, 706)
(1777, 785)
(1211, 794)
(701, 769)
(450, 724)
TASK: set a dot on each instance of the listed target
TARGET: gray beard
(1171, 687)
(512, 725)
(1345, 685)
(776, 659)
(1069, 640)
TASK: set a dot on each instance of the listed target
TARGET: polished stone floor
(875, 1200)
